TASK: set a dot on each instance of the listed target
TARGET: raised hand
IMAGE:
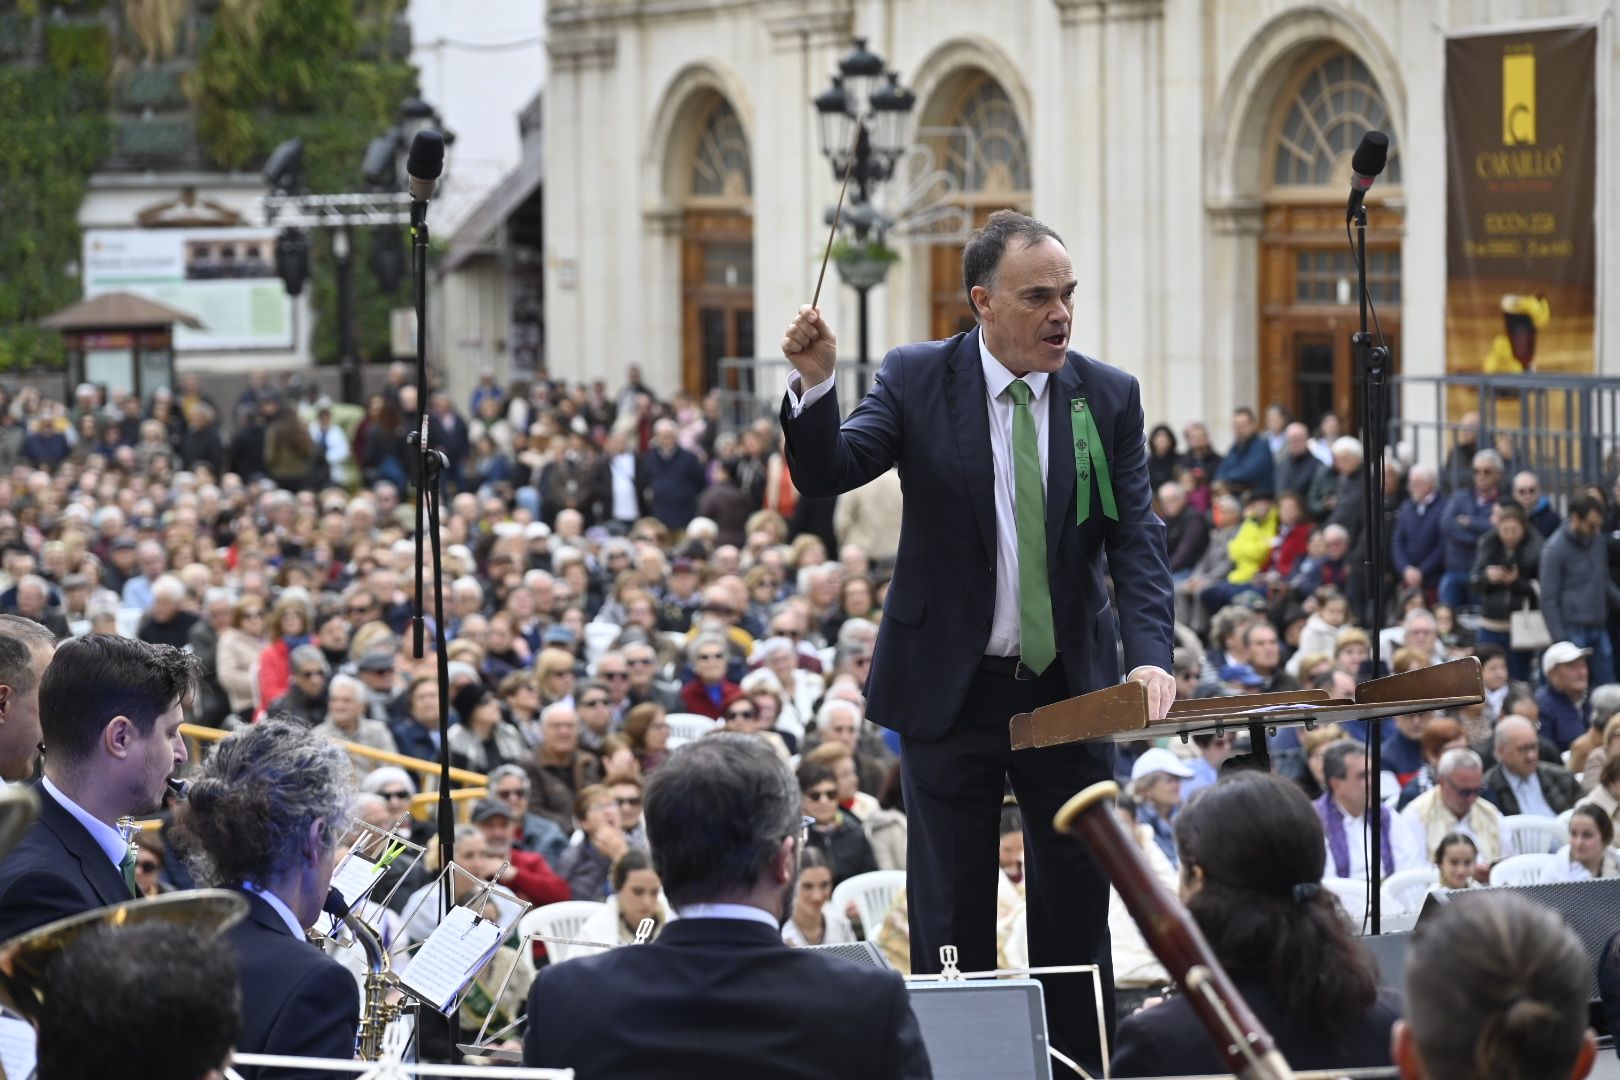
(810, 346)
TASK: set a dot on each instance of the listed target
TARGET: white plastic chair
(1563, 820)
(128, 621)
(562, 919)
(1405, 890)
(1530, 834)
(1352, 893)
(1522, 869)
(690, 726)
(1389, 787)
(599, 637)
(873, 894)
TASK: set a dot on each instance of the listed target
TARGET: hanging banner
(1521, 137)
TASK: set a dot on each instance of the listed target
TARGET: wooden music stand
(1120, 713)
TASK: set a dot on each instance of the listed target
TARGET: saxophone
(378, 1012)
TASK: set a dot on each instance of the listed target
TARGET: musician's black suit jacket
(926, 415)
(1169, 1039)
(295, 998)
(722, 998)
(55, 871)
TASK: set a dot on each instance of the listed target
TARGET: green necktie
(1037, 643)
(128, 867)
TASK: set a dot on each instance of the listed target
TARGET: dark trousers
(953, 790)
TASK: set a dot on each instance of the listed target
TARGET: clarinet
(1244, 1043)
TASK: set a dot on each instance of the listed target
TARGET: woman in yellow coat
(1250, 551)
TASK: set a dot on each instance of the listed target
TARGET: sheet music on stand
(444, 966)
(19, 1048)
(371, 852)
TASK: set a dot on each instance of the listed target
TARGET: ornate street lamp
(861, 121)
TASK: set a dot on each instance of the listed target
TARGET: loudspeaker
(863, 953)
(1587, 907)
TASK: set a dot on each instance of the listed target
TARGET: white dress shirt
(1004, 623)
(1527, 789)
(1404, 844)
(106, 837)
(739, 912)
(622, 468)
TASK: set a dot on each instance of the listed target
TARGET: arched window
(720, 165)
(991, 156)
(1330, 108)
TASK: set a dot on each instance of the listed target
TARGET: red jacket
(275, 673)
(1290, 548)
(695, 697)
(533, 880)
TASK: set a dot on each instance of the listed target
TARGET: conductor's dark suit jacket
(722, 998)
(56, 870)
(926, 413)
(295, 998)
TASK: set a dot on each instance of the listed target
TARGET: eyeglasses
(392, 796)
(511, 794)
(1467, 792)
(358, 609)
(633, 800)
(146, 866)
(615, 676)
(741, 714)
(1484, 472)
(822, 796)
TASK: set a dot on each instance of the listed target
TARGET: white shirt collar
(997, 378)
(280, 907)
(740, 912)
(106, 837)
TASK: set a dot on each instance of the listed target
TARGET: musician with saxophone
(1252, 857)
(264, 815)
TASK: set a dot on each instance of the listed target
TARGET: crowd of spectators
(622, 573)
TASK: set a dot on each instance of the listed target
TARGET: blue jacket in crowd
(1462, 537)
(1248, 466)
(1417, 539)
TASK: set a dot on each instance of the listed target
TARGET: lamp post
(866, 108)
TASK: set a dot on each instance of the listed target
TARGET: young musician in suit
(718, 993)
(264, 813)
(1025, 472)
(110, 711)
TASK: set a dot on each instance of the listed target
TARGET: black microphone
(423, 166)
(1370, 159)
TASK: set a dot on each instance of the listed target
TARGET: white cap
(1563, 652)
(1158, 759)
(536, 530)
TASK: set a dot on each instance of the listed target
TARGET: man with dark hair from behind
(154, 1001)
(26, 649)
(110, 711)
(718, 993)
(1495, 990)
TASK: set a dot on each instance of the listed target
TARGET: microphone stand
(1372, 364)
(431, 464)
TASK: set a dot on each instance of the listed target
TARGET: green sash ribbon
(1089, 458)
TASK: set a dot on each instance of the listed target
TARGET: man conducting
(1023, 466)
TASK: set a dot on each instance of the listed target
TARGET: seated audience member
(509, 784)
(1457, 859)
(559, 770)
(305, 698)
(1587, 855)
(1345, 825)
(601, 840)
(637, 895)
(834, 833)
(719, 994)
(1439, 735)
(527, 874)
(709, 691)
(1156, 779)
(111, 992)
(1562, 697)
(484, 739)
(346, 720)
(110, 710)
(1495, 988)
(1606, 796)
(1605, 705)
(1251, 868)
(813, 922)
(1206, 767)
(263, 816)
(1454, 805)
(1520, 782)
(648, 731)
(1403, 745)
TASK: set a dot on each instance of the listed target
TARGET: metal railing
(751, 388)
(1566, 428)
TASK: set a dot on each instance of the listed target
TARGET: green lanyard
(1088, 458)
